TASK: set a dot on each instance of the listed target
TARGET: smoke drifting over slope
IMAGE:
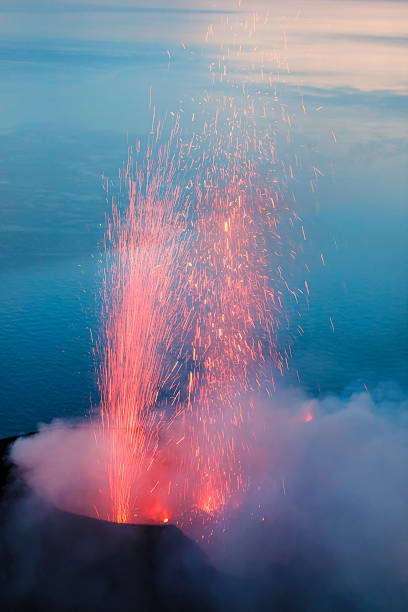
(324, 525)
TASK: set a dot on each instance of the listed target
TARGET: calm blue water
(74, 91)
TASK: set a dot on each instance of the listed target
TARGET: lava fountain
(193, 298)
(193, 301)
(189, 326)
(142, 289)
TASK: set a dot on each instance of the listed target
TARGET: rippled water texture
(74, 90)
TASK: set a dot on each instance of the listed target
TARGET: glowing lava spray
(193, 300)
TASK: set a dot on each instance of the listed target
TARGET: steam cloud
(325, 527)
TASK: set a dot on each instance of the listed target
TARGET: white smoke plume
(327, 515)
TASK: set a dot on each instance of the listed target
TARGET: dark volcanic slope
(55, 561)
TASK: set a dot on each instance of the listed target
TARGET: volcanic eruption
(192, 439)
(193, 297)
(191, 313)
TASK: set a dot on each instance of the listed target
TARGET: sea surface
(75, 92)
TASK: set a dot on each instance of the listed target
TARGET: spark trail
(143, 287)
